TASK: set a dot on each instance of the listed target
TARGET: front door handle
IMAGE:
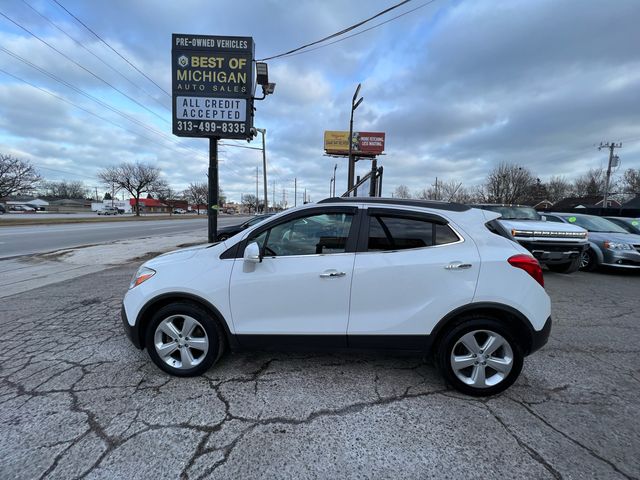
(332, 274)
(458, 266)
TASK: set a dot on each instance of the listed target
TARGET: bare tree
(631, 181)
(63, 189)
(197, 194)
(17, 177)
(402, 191)
(167, 195)
(590, 184)
(135, 178)
(450, 191)
(557, 189)
(252, 203)
(509, 183)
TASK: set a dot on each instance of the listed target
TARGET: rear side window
(402, 233)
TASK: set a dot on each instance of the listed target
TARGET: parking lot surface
(77, 400)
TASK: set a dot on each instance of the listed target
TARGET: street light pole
(352, 163)
(263, 131)
(333, 194)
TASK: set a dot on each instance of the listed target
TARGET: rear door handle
(332, 274)
(458, 266)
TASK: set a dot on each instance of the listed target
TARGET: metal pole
(606, 182)
(257, 198)
(380, 172)
(372, 180)
(212, 210)
(335, 167)
(352, 163)
(264, 173)
(295, 192)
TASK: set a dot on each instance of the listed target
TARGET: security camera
(269, 88)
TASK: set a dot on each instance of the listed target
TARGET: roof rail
(450, 206)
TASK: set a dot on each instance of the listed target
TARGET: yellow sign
(336, 141)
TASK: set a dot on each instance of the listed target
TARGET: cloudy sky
(458, 86)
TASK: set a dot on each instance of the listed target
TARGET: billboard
(212, 86)
(363, 143)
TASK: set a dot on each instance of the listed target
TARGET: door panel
(292, 295)
(407, 291)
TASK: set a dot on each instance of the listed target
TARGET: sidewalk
(22, 274)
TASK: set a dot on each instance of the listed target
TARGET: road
(28, 240)
(77, 400)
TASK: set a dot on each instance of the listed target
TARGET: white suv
(350, 272)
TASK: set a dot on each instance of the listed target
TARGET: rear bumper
(132, 331)
(540, 338)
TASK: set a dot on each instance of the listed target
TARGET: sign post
(212, 80)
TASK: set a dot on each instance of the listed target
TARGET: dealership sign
(212, 80)
(363, 143)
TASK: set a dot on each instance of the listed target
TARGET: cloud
(457, 86)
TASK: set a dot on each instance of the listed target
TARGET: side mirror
(252, 253)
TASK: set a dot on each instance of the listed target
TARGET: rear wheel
(183, 340)
(480, 357)
(569, 267)
(588, 260)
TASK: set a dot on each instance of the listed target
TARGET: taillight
(529, 265)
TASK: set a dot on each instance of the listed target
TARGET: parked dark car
(631, 225)
(2, 209)
(231, 230)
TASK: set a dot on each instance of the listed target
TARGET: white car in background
(350, 272)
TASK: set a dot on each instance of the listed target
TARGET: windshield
(514, 213)
(595, 224)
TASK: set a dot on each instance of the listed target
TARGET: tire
(588, 260)
(570, 267)
(189, 335)
(467, 377)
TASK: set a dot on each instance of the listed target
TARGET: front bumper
(621, 258)
(132, 332)
(547, 252)
(540, 338)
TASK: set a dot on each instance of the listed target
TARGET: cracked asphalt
(77, 400)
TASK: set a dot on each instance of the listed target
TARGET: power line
(333, 35)
(97, 77)
(112, 68)
(110, 47)
(84, 109)
(362, 31)
(93, 98)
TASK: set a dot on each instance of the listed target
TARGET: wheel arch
(512, 318)
(156, 303)
(598, 251)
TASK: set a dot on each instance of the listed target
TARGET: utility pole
(295, 192)
(274, 195)
(335, 167)
(304, 197)
(263, 131)
(611, 146)
(352, 163)
(257, 190)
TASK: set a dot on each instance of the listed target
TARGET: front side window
(313, 235)
(401, 233)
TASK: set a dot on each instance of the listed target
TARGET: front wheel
(480, 357)
(588, 260)
(183, 339)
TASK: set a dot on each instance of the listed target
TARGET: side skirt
(414, 343)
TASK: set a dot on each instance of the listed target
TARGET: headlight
(617, 246)
(142, 275)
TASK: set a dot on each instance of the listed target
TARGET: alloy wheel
(181, 341)
(482, 358)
